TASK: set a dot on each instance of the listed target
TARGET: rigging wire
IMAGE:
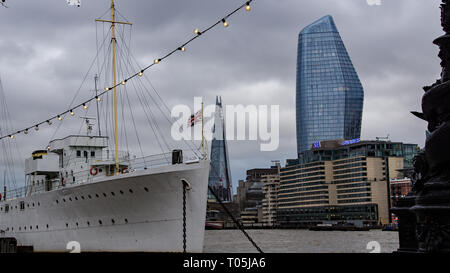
(197, 32)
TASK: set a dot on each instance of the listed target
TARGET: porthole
(20, 228)
(76, 224)
(37, 227)
(57, 202)
(130, 190)
(76, 198)
(96, 195)
(112, 221)
(24, 228)
(82, 197)
(88, 223)
(33, 205)
(121, 192)
(112, 193)
(89, 196)
(100, 222)
(67, 224)
(104, 194)
(39, 204)
(47, 226)
(70, 199)
(64, 200)
(126, 221)
(146, 189)
(31, 227)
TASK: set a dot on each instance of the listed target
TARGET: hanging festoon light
(11, 136)
(225, 23)
(182, 48)
(49, 122)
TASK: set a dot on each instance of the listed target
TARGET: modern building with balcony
(341, 182)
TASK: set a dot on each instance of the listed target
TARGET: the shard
(219, 175)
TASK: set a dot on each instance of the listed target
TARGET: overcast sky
(47, 47)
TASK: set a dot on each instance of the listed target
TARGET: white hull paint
(128, 219)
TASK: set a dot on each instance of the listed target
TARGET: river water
(301, 241)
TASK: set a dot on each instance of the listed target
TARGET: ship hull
(136, 212)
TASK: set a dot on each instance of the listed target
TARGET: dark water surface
(301, 241)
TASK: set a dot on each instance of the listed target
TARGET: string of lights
(84, 104)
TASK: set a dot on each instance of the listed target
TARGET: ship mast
(113, 40)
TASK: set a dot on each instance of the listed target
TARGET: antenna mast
(98, 113)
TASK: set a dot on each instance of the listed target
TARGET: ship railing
(133, 164)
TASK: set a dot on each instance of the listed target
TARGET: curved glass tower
(329, 98)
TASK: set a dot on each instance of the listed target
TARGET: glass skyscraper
(329, 97)
(219, 174)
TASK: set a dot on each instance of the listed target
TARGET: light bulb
(196, 31)
(59, 118)
(247, 7)
(49, 122)
(26, 131)
(225, 23)
(123, 82)
(157, 61)
(36, 128)
(98, 98)
(11, 136)
(140, 73)
(107, 89)
(85, 106)
(72, 113)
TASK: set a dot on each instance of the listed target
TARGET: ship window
(92, 153)
(100, 222)
(73, 178)
(112, 193)
(64, 200)
(88, 223)
(37, 227)
(126, 221)
(100, 170)
(97, 195)
(22, 205)
(39, 204)
(20, 228)
(70, 199)
(146, 189)
(47, 225)
(121, 192)
(33, 205)
(28, 205)
(76, 223)
(82, 197)
(78, 153)
(131, 191)
(85, 154)
(112, 220)
(31, 227)
(76, 198)
(89, 196)
(104, 194)
(67, 224)
(6, 208)
(57, 202)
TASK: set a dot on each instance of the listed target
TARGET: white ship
(77, 192)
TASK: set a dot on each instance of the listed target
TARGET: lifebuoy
(124, 170)
(94, 171)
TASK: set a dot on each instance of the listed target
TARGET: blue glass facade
(219, 174)
(329, 97)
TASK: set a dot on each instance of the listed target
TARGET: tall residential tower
(329, 98)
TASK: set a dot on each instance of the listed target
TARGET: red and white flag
(195, 118)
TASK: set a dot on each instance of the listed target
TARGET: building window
(78, 153)
(22, 205)
(92, 153)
